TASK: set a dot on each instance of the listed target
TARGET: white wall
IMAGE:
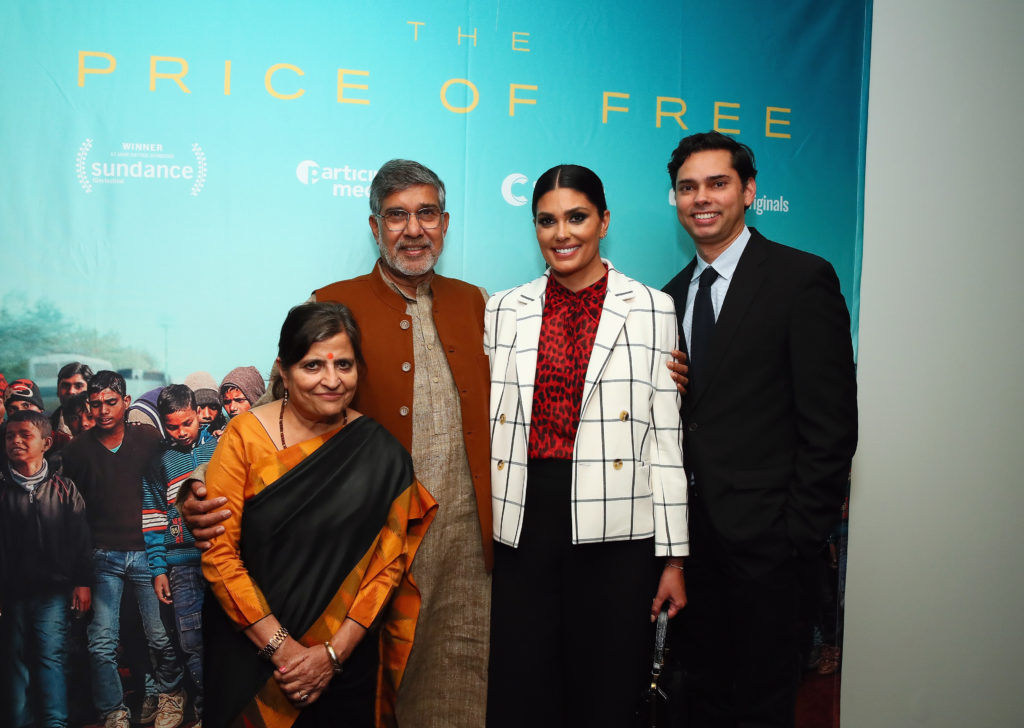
(935, 592)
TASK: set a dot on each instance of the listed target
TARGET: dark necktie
(701, 328)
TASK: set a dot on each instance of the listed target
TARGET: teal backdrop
(175, 176)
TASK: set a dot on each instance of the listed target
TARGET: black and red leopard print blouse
(567, 336)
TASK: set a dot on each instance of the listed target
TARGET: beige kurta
(445, 683)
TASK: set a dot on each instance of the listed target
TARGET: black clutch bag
(653, 711)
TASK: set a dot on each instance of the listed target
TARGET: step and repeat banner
(175, 177)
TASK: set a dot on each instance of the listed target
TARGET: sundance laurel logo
(140, 163)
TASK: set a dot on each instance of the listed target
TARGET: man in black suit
(770, 429)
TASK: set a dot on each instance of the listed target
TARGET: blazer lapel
(744, 286)
(613, 317)
(529, 315)
(680, 295)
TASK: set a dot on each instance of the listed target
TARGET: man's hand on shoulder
(201, 515)
(679, 368)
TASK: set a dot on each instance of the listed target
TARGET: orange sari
(322, 531)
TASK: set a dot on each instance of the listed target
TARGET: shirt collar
(423, 289)
(725, 264)
(594, 292)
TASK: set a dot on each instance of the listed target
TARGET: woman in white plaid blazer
(587, 480)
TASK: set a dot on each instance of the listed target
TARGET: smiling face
(182, 427)
(711, 200)
(25, 447)
(569, 231)
(322, 384)
(107, 408)
(409, 255)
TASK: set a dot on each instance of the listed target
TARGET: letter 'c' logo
(506, 189)
(308, 172)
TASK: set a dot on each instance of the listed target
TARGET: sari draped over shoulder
(327, 524)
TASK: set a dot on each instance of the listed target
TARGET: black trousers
(571, 635)
(739, 643)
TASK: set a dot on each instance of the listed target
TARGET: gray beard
(400, 267)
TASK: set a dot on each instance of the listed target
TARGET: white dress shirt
(725, 265)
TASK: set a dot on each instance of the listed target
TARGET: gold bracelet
(674, 566)
(335, 665)
(276, 641)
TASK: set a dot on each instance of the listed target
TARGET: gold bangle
(333, 656)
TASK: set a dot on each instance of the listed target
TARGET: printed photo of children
(108, 463)
(173, 558)
(45, 571)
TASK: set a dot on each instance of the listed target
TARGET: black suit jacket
(771, 430)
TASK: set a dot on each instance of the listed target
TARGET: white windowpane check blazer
(628, 480)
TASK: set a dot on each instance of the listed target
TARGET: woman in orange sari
(315, 611)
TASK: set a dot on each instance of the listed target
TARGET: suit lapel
(746, 281)
(679, 294)
(529, 314)
(613, 317)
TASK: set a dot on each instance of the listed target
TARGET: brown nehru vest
(385, 390)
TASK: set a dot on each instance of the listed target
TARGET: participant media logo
(134, 162)
(344, 181)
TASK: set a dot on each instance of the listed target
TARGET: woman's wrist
(274, 643)
(674, 562)
(285, 652)
(333, 657)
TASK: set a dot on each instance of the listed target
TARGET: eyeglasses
(397, 220)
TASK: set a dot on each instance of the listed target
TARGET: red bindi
(330, 355)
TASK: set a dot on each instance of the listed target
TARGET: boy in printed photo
(76, 414)
(170, 548)
(45, 569)
(72, 379)
(240, 389)
(23, 394)
(208, 402)
(108, 464)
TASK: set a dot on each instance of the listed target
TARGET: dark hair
(208, 398)
(40, 420)
(309, 323)
(75, 404)
(742, 155)
(401, 174)
(175, 398)
(107, 379)
(76, 367)
(573, 177)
